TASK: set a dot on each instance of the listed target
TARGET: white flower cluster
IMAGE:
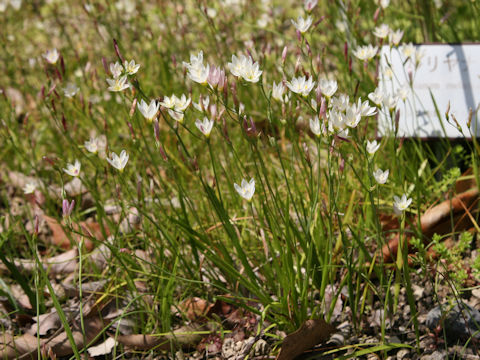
(176, 106)
(245, 68)
(196, 70)
(341, 114)
(120, 75)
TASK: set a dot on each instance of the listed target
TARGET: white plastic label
(429, 77)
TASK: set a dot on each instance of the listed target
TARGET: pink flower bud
(117, 50)
(284, 54)
(67, 207)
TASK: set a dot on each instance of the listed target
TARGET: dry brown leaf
(438, 220)
(13, 348)
(102, 349)
(45, 323)
(310, 333)
(85, 229)
(183, 337)
(195, 308)
(26, 345)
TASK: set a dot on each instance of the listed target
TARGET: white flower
(130, 67)
(29, 188)
(383, 3)
(316, 127)
(51, 56)
(247, 189)
(205, 126)
(169, 102)
(401, 204)
(70, 90)
(73, 170)
(336, 121)
(149, 111)
(196, 70)
(381, 176)
(340, 102)
(372, 147)
(91, 145)
(352, 117)
(116, 69)
(365, 53)
(309, 5)
(302, 24)
(118, 84)
(16, 4)
(278, 91)
(395, 36)
(364, 108)
(301, 86)
(377, 96)
(403, 92)
(176, 115)
(199, 73)
(245, 68)
(118, 162)
(202, 104)
(387, 72)
(382, 31)
(328, 87)
(408, 50)
(182, 103)
(390, 101)
(195, 60)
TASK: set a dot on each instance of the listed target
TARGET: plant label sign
(426, 79)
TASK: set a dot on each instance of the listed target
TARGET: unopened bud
(377, 13)
(62, 65)
(341, 166)
(67, 207)
(323, 109)
(132, 108)
(162, 152)
(37, 225)
(105, 66)
(117, 50)
(307, 45)
(284, 54)
(64, 123)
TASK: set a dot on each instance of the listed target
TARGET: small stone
(402, 354)
(418, 291)
(337, 339)
(436, 355)
(460, 322)
(261, 348)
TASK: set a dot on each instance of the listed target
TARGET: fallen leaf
(183, 337)
(26, 345)
(45, 323)
(195, 308)
(85, 230)
(438, 220)
(102, 349)
(310, 334)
